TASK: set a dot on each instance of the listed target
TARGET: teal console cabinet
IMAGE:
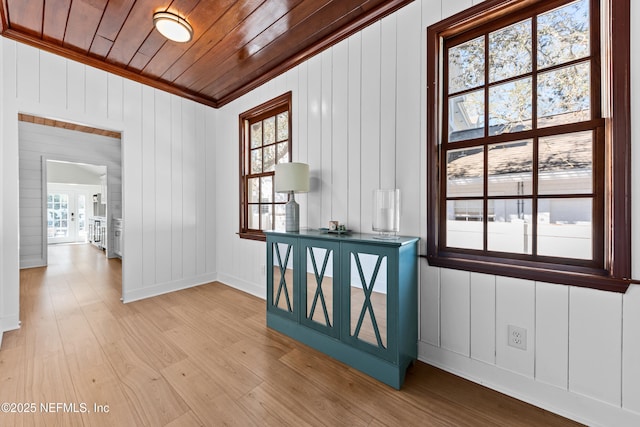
(352, 297)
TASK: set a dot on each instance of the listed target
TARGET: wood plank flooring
(201, 357)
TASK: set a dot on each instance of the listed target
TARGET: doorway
(76, 195)
(66, 217)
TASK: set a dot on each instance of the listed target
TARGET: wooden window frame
(615, 274)
(270, 108)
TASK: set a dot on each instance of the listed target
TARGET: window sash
(613, 142)
(267, 210)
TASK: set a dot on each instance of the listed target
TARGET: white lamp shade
(292, 177)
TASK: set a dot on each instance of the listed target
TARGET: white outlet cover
(517, 337)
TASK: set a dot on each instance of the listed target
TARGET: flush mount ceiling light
(172, 26)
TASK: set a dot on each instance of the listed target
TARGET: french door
(66, 217)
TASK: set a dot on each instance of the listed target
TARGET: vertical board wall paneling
(115, 97)
(75, 100)
(132, 154)
(211, 192)
(409, 146)
(176, 188)
(451, 7)
(28, 79)
(388, 87)
(51, 91)
(455, 322)
(631, 301)
(314, 139)
(370, 122)
(200, 193)
(552, 334)
(595, 344)
(326, 133)
(429, 303)
(339, 135)
(515, 305)
(162, 182)
(189, 191)
(631, 346)
(96, 92)
(148, 187)
(300, 138)
(9, 305)
(483, 317)
(354, 137)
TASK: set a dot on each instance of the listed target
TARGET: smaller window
(265, 141)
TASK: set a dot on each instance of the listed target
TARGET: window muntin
(517, 183)
(265, 141)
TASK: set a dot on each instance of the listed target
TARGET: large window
(265, 140)
(523, 145)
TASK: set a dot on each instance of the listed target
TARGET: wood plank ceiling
(237, 45)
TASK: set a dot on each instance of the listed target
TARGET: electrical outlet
(517, 337)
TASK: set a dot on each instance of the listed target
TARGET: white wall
(359, 121)
(168, 159)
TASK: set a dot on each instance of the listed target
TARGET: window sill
(259, 236)
(583, 277)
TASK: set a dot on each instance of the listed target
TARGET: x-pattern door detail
(282, 285)
(367, 289)
(319, 276)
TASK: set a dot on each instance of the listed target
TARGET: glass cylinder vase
(386, 213)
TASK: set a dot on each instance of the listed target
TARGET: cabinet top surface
(346, 237)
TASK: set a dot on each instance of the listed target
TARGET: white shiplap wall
(168, 169)
(358, 120)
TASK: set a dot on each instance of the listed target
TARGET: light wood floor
(202, 356)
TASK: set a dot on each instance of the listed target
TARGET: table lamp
(292, 178)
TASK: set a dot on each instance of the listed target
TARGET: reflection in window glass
(283, 152)
(256, 160)
(466, 65)
(464, 224)
(564, 228)
(269, 130)
(266, 189)
(510, 107)
(563, 34)
(256, 135)
(510, 51)
(466, 116)
(253, 193)
(510, 170)
(465, 169)
(565, 164)
(564, 95)
(269, 158)
(509, 228)
(283, 126)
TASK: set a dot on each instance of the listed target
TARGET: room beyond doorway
(63, 168)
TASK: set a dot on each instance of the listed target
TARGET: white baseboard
(243, 285)
(164, 288)
(32, 263)
(563, 402)
(8, 324)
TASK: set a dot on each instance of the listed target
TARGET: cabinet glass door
(369, 300)
(281, 281)
(319, 276)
